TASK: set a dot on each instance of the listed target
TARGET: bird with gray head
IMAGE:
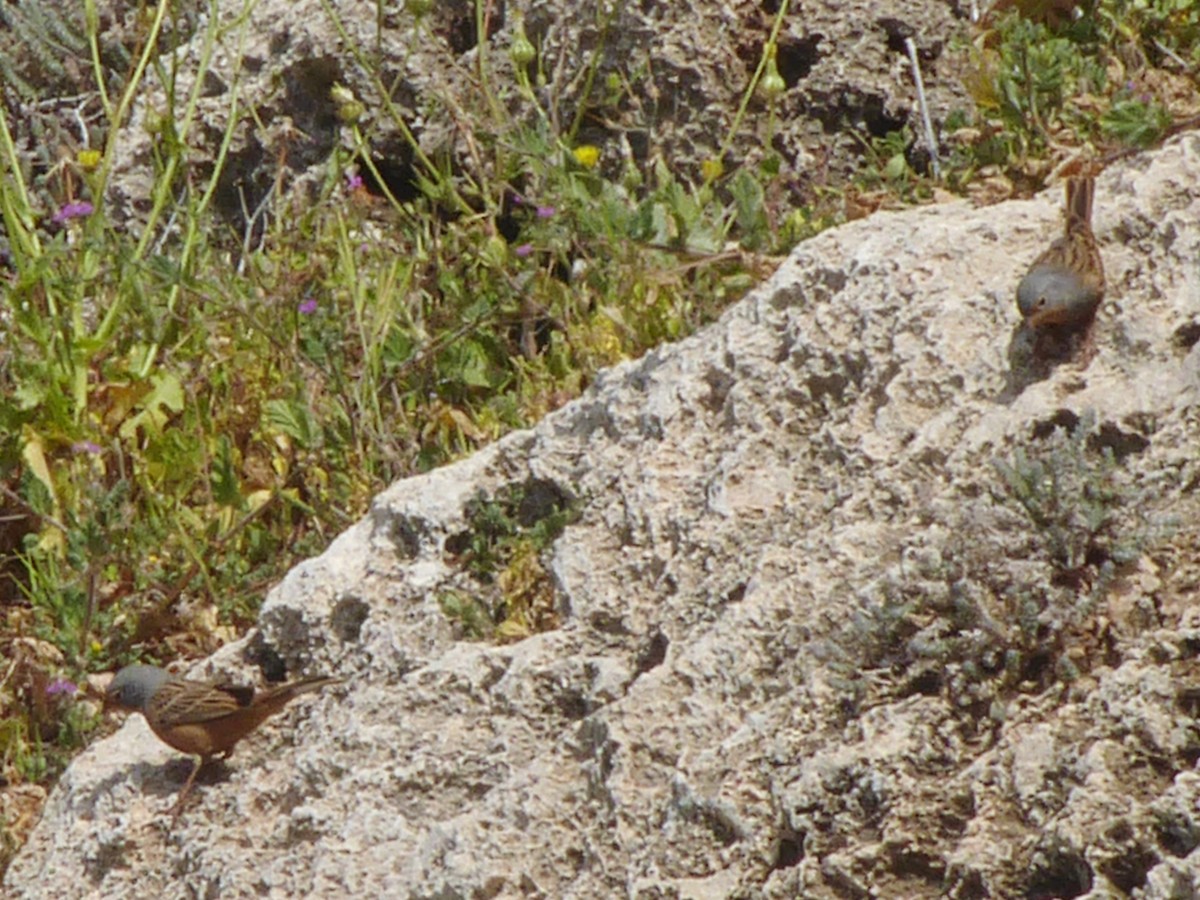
(201, 718)
(1065, 284)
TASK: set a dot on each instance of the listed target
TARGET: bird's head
(133, 687)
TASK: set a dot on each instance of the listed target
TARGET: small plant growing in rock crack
(961, 621)
(971, 614)
(1049, 85)
(1084, 508)
(502, 550)
(470, 615)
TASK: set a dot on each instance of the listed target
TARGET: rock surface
(724, 710)
(683, 70)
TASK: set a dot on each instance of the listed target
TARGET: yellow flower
(89, 159)
(712, 169)
(587, 155)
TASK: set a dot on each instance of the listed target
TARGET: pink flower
(72, 211)
(61, 686)
(308, 306)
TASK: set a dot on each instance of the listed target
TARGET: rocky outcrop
(269, 68)
(813, 640)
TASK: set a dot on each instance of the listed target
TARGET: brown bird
(202, 718)
(1065, 285)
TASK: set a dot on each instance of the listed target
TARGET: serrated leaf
(293, 419)
(164, 398)
(224, 481)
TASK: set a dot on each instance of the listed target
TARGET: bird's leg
(187, 787)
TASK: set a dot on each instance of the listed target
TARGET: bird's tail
(1080, 191)
(277, 698)
(304, 685)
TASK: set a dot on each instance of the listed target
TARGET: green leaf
(747, 196)
(467, 363)
(165, 397)
(226, 486)
(292, 418)
(896, 168)
(1136, 123)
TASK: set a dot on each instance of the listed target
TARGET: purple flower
(72, 211)
(545, 212)
(524, 250)
(354, 182)
(86, 447)
(308, 306)
(61, 686)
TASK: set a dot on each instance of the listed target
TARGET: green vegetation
(1078, 501)
(1007, 605)
(190, 406)
(1048, 92)
(502, 549)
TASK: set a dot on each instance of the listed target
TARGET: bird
(200, 718)
(1065, 285)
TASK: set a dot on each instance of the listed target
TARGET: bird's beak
(101, 690)
(112, 702)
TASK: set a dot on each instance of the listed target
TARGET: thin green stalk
(444, 185)
(198, 213)
(165, 181)
(481, 59)
(18, 215)
(758, 73)
(127, 98)
(92, 18)
(593, 67)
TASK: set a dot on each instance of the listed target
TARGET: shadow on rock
(1034, 354)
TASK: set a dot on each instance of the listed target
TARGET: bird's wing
(182, 702)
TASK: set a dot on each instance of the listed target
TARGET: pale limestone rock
(704, 724)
